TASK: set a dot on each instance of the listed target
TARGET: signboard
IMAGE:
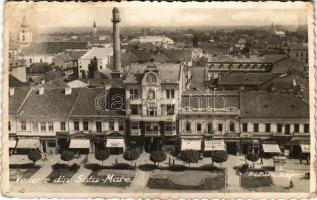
(215, 145)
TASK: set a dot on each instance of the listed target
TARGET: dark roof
(76, 54)
(14, 82)
(16, 100)
(246, 78)
(63, 57)
(245, 59)
(53, 47)
(53, 103)
(272, 105)
(55, 83)
(167, 73)
(85, 104)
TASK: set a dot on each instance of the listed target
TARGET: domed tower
(116, 43)
(94, 29)
(25, 34)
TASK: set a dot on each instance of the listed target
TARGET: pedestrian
(261, 161)
(116, 160)
(291, 184)
(45, 157)
(173, 161)
(169, 160)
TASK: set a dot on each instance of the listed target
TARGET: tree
(34, 156)
(102, 155)
(67, 156)
(190, 156)
(157, 156)
(131, 155)
(219, 156)
(253, 157)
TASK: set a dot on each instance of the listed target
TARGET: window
(30, 60)
(100, 67)
(170, 109)
(151, 78)
(152, 111)
(296, 128)
(151, 95)
(111, 125)
(187, 126)
(134, 125)
(170, 93)
(136, 109)
(279, 128)
(50, 126)
(245, 127)
(198, 127)
(267, 128)
(9, 126)
(35, 126)
(86, 126)
(134, 93)
(256, 127)
(51, 144)
(121, 125)
(306, 128)
(209, 127)
(76, 125)
(170, 126)
(63, 126)
(220, 127)
(41, 60)
(98, 127)
(23, 38)
(231, 128)
(151, 126)
(43, 126)
(23, 125)
(287, 129)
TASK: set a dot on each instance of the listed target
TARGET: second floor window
(287, 129)
(76, 125)
(98, 127)
(198, 127)
(170, 93)
(279, 128)
(231, 128)
(9, 126)
(209, 128)
(43, 126)
(151, 95)
(170, 109)
(170, 126)
(134, 125)
(121, 125)
(151, 78)
(256, 127)
(111, 125)
(187, 126)
(23, 125)
(306, 128)
(220, 126)
(245, 127)
(86, 128)
(50, 126)
(134, 93)
(63, 126)
(296, 128)
(136, 109)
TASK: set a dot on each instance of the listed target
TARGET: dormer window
(151, 78)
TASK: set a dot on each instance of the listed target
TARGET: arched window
(151, 78)
(151, 95)
(23, 38)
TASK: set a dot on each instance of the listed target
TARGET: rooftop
(98, 52)
(246, 78)
(16, 100)
(245, 59)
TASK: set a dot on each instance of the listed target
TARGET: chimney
(116, 43)
(41, 90)
(11, 92)
(68, 90)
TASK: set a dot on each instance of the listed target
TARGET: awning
(28, 143)
(271, 148)
(190, 145)
(79, 144)
(305, 148)
(12, 143)
(115, 143)
(215, 145)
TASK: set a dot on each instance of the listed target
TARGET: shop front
(49, 145)
(115, 146)
(80, 143)
(270, 150)
(24, 145)
(249, 145)
(62, 141)
(213, 145)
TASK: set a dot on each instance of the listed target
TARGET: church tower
(94, 29)
(25, 34)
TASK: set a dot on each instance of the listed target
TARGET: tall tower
(94, 29)
(116, 43)
(25, 34)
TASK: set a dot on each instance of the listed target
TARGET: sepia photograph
(159, 100)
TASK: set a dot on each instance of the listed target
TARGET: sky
(42, 15)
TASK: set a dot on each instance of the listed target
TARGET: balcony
(170, 133)
(152, 133)
(210, 111)
(135, 132)
(156, 118)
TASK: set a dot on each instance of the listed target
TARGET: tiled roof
(241, 59)
(16, 100)
(53, 47)
(63, 57)
(246, 78)
(14, 82)
(53, 103)
(272, 105)
(167, 72)
(76, 54)
(85, 104)
(98, 52)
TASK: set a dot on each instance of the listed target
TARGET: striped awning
(271, 148)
